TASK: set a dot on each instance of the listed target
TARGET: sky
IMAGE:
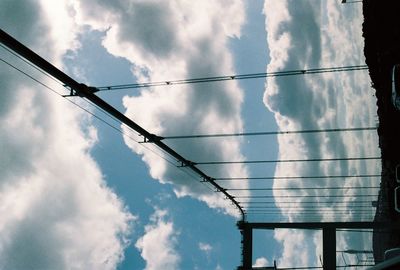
(79, 190)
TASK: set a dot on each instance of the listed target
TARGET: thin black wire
(30, 64)
(283, 160)
(298, 177)
(264, 133)
(97, 117)
(70, 101)
(305, 202)
(312, 211)
(233, 77)
(355, 230)
(305, 196)
(301, 188)
(320, 267)
(330, 217)
(318, 207)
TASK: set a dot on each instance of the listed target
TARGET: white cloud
(301, 35)
(218, 267)
(158, 244)
(205, 247)
(167, 40)
(57, 211)
(261, 262)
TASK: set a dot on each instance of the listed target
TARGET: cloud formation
(261, 262)
(57, 211)
(158, 244)
(301, 35)
(167, 40)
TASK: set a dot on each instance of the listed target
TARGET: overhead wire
(265, 133)
(311, 211)
(30, 64)
(89, 112)
(233, 77)
(306, 196)
(303, 188)
(283, 160)
(299, 188)
(288, 73)
(298, 177)
(305, 202)
(318, 207)
(93, 114)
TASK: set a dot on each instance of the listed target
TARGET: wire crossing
(234, 77)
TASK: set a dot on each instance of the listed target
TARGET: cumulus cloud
(301, 35)
(261, 262)
(205, 247)
(158, 244)
(57, 211)
(167, 40)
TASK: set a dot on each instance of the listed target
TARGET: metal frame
(328, 236)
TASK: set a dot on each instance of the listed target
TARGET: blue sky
(77, 194)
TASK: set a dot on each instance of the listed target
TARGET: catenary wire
(30, 64)
(283, 160)
(233, 77)
(298, 177)
(309, 207)
(305, 202)
(171, 163)
(301, 188)
(305, 196)
(264, 133)
(228, 194)
(96, 116)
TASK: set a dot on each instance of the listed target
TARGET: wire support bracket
(75, 93)
(151, 138)
(188, 163)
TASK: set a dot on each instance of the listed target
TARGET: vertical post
(329, 248)
(247, 245)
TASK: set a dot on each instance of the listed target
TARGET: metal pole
(329, 248)
(247, 245)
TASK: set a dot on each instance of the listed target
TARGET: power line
(300, 188)
(88, 93)
(305, 202)
(234, 77)
(28, 63)
(264, 133)
(311, 211)
(283, 160)
(87, 111)
(297, 177)
(333, 217)
(323, 208)
(305, 196)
